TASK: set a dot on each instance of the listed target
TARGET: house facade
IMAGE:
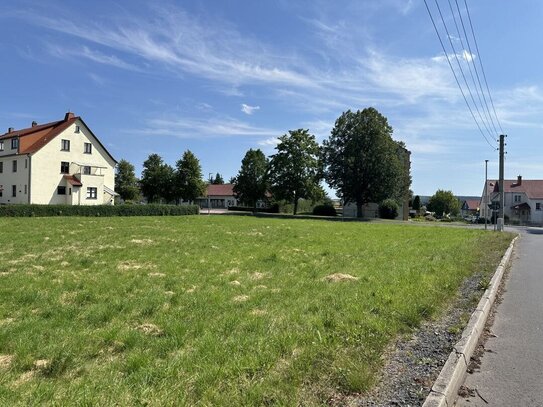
(470, 207)
(218, 196)
(523, 200)
(61, 162)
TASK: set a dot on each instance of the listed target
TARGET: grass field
(216, 310)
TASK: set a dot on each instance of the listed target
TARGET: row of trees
(360, 160)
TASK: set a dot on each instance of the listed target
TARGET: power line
(479, 90)
(462, 72)
(455, 76)
(482, 69)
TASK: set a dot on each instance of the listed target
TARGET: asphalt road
(511, 374)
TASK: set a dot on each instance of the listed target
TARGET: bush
(23, 210)
(324, 210)
(388, 209)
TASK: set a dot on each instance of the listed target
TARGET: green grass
(215, 310)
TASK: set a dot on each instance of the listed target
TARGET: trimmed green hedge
(324, 210)
(98, 210)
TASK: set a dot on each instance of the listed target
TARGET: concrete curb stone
(444, 392)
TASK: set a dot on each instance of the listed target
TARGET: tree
(218, 180)
(363, 163)
(444, 202)
(188, 178)
(416, 203)
(295, 170)
(126, 183)
(156, 179)
(250, 185)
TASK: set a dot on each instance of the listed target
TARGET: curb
(444, 392)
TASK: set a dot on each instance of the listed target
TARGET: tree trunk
(295, 204)
(254, 207)
(359, 210)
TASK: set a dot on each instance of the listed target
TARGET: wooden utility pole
(500, 222)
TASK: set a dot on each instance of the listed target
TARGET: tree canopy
(126, 183)
(295, 169)
(363, 163)
(156, 179)
(189, 184)
(218, 179)
(443, 203)
(250, 185)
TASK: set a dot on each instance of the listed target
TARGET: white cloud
(249, 109)
(269, 142)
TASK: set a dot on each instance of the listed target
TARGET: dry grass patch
(150, 329)
(257, 276)
(240, 298)
(337, 277)
(235, 282)
(5, 361)
(144, 242)
(134, 265)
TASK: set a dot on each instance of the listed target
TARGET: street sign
(494, 205)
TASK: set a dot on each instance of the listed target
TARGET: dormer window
(64, 145)
(14, 143)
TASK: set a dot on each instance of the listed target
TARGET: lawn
(216, 310)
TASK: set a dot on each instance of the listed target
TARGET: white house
(61, 162)
(523, 200)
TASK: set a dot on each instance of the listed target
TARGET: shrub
(23, 210)
(388, 209)
(324, 210)
(271, 209)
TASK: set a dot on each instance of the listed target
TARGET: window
(14, 143)
(92, 193)
(517, 198)
(87, 170)
(1, 167)
(26, 189)
(61, 190)
(64, 167)
(538, 206)
(1, 146)
(77, 129)
(26, 162)
(88, 148)
(65, 145)
(14, 190)
(69, 191)
(14, 166)
(1, 193)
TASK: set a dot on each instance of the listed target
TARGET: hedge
(324, 210)
(22, 210)
(271, 209)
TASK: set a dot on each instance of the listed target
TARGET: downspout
(29, 177)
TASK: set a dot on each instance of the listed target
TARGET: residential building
(470, 207)
(523, 200)
(218, 196)
(61, 162)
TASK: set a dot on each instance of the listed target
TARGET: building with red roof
(61, 162)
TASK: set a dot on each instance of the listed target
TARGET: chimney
(68, 116)
(10, 129)
(519, 180)
(34, 123)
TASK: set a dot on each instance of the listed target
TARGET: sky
(219, 77)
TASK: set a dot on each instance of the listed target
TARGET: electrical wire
(455, 76)
(481, 63)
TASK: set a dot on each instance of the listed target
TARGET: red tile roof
(73, 180)
(472, 204)
(533, 188)
(220, 190)
(34, 138)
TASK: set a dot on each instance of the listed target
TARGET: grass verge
(216, 310)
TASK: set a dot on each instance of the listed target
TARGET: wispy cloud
(247, 109)
(198, 128)
(269, 142)
(87, 53)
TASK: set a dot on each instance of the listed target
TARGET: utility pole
(485, 201)
(500, 222)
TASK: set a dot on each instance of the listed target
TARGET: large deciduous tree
(188, 178)
(126, 183)
(250, 185)
(295, 170)
(443, 203)
(156, 179)
(363, 163)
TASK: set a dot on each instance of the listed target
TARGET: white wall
(8, 178)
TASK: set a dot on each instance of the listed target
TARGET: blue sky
(220, 77)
